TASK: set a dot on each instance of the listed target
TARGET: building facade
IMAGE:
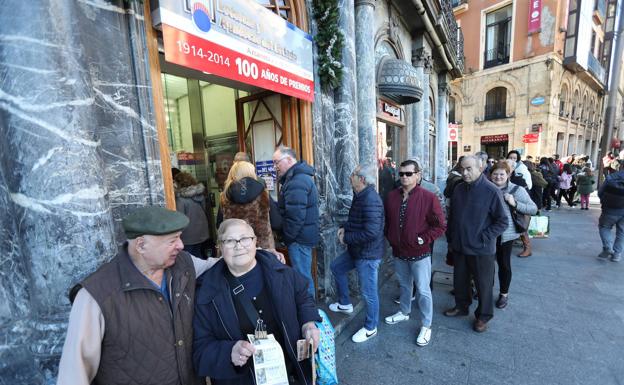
(535, 76)
(93, 116)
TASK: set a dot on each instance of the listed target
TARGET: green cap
(153, 220)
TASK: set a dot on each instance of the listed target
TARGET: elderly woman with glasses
(245, 286)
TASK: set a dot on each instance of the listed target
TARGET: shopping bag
(326, 353)
(539, 227)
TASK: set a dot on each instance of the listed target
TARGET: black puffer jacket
(298, 206)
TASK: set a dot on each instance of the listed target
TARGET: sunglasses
(407, 173)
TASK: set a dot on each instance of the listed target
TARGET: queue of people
(162, 311)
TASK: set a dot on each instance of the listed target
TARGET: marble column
(335, 141)
(366, 94)
(419, 129)
(78, 150)
(441, 158)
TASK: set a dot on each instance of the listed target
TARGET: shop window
(496, 103)
(451, 103)
(497, 37)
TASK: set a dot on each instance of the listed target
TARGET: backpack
(612, 195)
(326, 353)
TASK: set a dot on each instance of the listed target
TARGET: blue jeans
(419, 271)
(606, 222)
(367, 274)
(301, 260)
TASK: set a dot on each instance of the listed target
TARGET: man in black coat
(476, 218)
(363, 233)
(298, 206)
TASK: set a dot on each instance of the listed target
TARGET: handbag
(521, 221)
(326, 353)
(539, 227)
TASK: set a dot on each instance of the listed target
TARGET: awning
(398, 81)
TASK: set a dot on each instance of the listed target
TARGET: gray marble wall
(442, 131)
(78, 150)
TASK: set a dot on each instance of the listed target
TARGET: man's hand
(241, 351)
(311, 332)
(278, 255)
(341, 232)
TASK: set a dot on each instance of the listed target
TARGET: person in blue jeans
(298, 207)
(413, 220)
(611, 195)
(363, 235)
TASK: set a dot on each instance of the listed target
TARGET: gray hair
(482, 155)
(478, 160)
(369, 173)
(284, 150)
(226, 224)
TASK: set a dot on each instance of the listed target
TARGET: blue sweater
(476, 218)
(364, 230)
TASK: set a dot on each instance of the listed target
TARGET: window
(571, 30)
(496, 103)
(451, 103)
(562, 100)
(497, 37)
(281, 7)
(575, 101)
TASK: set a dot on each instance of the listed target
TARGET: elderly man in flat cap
(131, 320)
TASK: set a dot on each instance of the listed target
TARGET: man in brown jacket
(131, 320)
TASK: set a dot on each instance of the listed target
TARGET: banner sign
(239, 40)
(452, 133)
(500, 138)
(535, 16)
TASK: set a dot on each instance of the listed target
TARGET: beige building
(535, 76)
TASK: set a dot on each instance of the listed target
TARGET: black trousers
(546, 194)
(481, 267)
(503, 259)
(567, 194)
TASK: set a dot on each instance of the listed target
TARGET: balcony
(457, 3)
(496, 56)
(495, 111)
(595, 68)
(600, 11)
(448, 28)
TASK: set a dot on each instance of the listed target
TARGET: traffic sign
(452, 134)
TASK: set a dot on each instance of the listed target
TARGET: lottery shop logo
(201, 13)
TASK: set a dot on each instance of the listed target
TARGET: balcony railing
(601, 8)
(595, 68)
(495, 111)
(455, 36)
(496, 56)
(457, 3)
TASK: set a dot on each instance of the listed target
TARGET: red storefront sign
(530, 136)
(535, 16)
(500, 138)
(239, 40)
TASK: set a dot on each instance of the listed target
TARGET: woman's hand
(510, 199)
(278, 255)
(241, 351)
(311, 332)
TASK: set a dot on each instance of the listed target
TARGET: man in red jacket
(414, 219)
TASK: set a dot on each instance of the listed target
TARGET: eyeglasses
(408, 173)
(276, 162)
(491, 162)
(231, 243)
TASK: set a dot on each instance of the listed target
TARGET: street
(564, 323)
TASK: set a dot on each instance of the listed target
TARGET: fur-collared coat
(248, 199)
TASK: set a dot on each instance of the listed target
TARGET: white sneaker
(396, 318)
(424, 336)
(364, 335)
(336, 307)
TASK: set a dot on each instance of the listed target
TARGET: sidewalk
(564, 323)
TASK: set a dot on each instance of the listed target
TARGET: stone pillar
(78, 149)
(335, 140)
(421, 60)
(366, 95)
(441, 165)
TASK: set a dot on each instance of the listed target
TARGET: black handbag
(521, 221)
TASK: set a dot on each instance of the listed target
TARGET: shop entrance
(208, 123)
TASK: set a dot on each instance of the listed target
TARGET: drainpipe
(420, 9)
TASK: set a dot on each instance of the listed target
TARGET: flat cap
(153, 220)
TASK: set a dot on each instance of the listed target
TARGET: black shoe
(479, 326)
(501, 302)
(455, 312)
